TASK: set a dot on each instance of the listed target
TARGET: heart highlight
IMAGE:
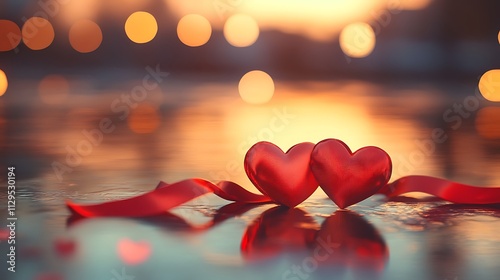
(347, 177)
(284, 177)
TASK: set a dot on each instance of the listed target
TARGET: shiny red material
(290, 178)
(347, 177)
(444, 189)
(284, 177)
(165, 197)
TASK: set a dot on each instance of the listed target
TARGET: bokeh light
(38, 33)
(499, 37)
(141, 27)
(144, 119)
(319, 20)
(488, 123)
(241, 30)
(53, 89)
(10, 35)
(85, 36)
(256, 87)
(357, 40)
(4, 83)
(194, 30)
(489, 85)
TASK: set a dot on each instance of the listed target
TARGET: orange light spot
(194, 30)
(357, 40)
(488, 123)
(489, 85)
(38, 33)
(144, 119)
(141, 27)
(10, 35)
(241, 30)
(85, 36)
(256, 87)
(4, 83)
(53, 89)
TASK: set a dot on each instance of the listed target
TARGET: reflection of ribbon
(344, 240)
(274, 169)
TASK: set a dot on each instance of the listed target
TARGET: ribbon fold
(289, 178)
(165, 197)
(168, 196)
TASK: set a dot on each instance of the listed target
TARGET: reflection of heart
(284, 177)
(133, 253)
(65, 247)
(346, 177)
(276, 230)
(357, 243)
(344, 240)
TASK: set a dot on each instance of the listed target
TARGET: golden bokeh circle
(194, 30)
(141, 27)
(489, 85)
(4, 83)
(38, 33)
(85, 36)
(241, 30)
(357, 40)
(256, 87)
(10, 35)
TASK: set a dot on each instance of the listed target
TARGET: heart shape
(347, 177)
(284, 177)
(133, 253)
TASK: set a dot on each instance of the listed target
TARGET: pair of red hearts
(290, 178)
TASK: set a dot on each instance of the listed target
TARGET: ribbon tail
(165, 197)
(444, 189)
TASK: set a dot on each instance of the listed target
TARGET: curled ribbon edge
(168, 196)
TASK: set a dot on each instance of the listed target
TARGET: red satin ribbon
(165, 197)
(444, 189)
(168, 196)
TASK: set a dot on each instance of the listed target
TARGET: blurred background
(102, 99)
(381, 73)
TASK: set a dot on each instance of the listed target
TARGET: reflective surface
(98, 146)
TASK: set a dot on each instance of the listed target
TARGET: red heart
(284, 177)
(133, 253)
(346, 177)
